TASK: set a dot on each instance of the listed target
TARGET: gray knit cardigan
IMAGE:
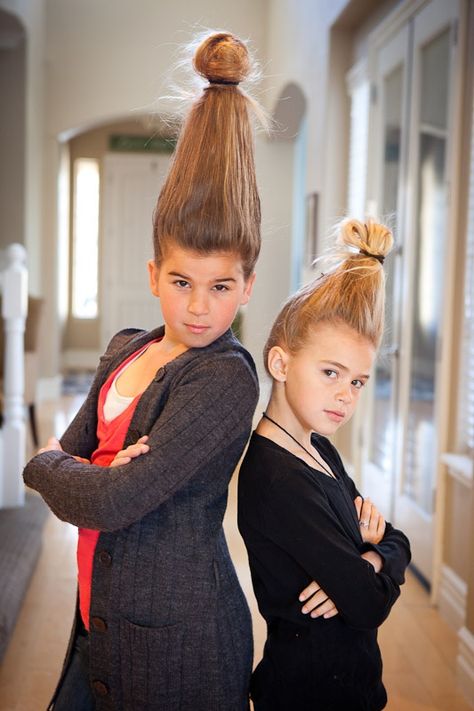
(170, 626)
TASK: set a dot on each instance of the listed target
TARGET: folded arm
(209, 410)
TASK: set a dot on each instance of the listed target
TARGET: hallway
(418, 648)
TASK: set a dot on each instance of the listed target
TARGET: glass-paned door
(426, 223)
(413, 78)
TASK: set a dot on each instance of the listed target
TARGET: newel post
(14, 308)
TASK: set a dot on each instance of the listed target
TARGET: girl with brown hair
(162, 622)
(300, 514)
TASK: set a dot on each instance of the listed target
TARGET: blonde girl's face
(324, 380)
(199, 294)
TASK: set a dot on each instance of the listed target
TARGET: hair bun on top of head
(372, 239)
(222, 59)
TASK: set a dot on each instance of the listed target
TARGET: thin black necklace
(328, 471)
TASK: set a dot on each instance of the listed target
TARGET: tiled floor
(418, 648)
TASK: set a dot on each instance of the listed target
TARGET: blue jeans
(75, 693)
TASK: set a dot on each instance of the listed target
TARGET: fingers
(319, 605)
(51, 445)
(372, 523)
(125, 456)
(317, 602)
(358, 505)
(312, 588)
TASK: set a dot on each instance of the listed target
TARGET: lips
(335, 415)
(196, 328)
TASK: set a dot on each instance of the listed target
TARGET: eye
(358, 384)
(220, 287)
(330, 373)
(181, 283)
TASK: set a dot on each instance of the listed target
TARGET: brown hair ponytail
(209, 201)
(351, 292)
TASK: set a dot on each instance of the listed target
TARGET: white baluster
(14, 308)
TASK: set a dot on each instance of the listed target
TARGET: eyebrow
(366, 376)
(187, 278)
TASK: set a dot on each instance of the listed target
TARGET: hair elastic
(224, 81)
(379, 257)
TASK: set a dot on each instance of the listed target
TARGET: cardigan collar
(225, 342)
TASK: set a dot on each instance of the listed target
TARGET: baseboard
(452, 598)
(465, 663)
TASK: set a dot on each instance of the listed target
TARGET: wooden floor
(418, 648)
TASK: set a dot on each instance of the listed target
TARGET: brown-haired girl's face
(324, 379)
(199, 293)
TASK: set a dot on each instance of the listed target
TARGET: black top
(299, 525)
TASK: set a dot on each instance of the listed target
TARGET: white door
(131, 187)
(389, 126)
(413, 78)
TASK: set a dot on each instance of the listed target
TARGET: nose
(198, 303)
(344, 394)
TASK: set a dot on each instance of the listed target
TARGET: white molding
(452, 597)
(465, 663)
(460, 467)
(49, 388)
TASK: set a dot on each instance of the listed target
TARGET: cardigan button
(105, 558)
(160, 374)
(100, 688)
(99, 624)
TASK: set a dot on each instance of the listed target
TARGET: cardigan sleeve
(299, 519)
(208, 410)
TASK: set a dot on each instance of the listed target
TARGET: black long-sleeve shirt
(299, 525)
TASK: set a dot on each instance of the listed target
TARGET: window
(85, 238)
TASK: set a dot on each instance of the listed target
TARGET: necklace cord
(326, 470)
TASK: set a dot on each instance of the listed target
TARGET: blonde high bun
(222, 59)
(351, 291)
(369, 237)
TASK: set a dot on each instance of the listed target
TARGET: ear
(248, 289)
(278, 363)
(153, 274)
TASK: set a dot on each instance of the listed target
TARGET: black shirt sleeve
(291, 506)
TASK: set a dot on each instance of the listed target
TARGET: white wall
(298, 35)
(31, 15)
(108, 58)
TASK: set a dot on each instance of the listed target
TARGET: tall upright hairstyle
(210, 199)
(352, 291)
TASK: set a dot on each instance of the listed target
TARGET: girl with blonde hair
(305, 525)
(162, 622)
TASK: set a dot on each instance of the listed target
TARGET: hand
(133, 450)
(51, 446)
(374, 559)
(317, 602)
(371, 521)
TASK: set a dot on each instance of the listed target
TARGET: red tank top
(111, 435)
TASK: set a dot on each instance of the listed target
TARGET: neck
(170, 347)
(279, 411)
